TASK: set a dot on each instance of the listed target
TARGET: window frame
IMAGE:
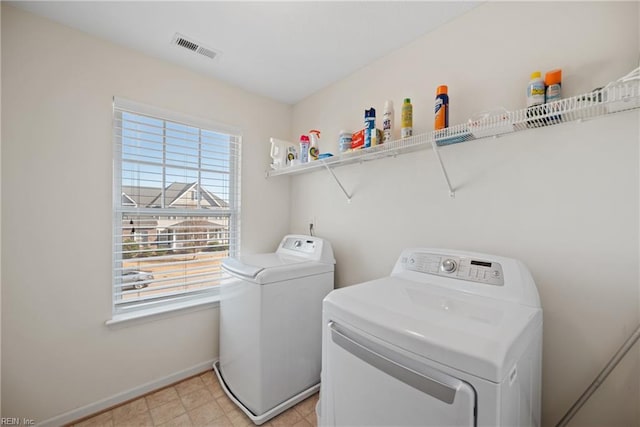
(191, 298)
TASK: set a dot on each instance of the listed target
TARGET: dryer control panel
(458, 267)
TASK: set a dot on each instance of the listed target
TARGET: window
(176, 206)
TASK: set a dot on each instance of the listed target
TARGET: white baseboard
(131, 394)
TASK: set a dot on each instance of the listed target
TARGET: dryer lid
(478, 335)
(272, 267)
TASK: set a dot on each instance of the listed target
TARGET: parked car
(135, 277)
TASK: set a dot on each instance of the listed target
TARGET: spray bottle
(369, 127)
(442, 108)
(553, 85)
(387, 121)
(314, 149)
(407, 119)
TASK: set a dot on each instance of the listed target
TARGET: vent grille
(193, 46)
(206, 52)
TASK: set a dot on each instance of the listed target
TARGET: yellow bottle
(407, 119)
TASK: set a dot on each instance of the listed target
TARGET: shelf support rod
(338, 182)
(452, 193)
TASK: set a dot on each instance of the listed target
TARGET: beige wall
(563, 199)
(57, 89)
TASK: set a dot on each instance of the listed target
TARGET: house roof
(173, 193)
(138, 196)
(176, 195)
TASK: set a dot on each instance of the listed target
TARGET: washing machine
(450, 338)
(271, 325)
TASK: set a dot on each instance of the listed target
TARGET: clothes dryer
(271, 325)
(450, 338)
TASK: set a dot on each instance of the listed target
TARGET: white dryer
(449, 339)
(271, 325)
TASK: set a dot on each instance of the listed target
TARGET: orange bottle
(442, 108)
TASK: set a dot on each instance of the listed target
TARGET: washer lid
(478, 335)
(272, 267)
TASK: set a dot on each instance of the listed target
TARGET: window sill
(169, 310)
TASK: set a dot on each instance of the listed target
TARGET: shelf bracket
(338, 182)
(452, 193)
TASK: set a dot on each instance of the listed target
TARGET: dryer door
(366, 382)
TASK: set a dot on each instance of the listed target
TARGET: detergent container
(314, 149)
(344, 141)
(283, 153)
(535, 90)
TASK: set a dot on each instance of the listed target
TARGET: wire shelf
(615, 97)
(621, 95)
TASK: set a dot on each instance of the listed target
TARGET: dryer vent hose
(600, 378)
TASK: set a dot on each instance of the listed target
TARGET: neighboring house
(165, 231)
(179, 195)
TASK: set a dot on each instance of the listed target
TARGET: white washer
(271, 325)
(449, 339)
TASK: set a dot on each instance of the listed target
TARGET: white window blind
(176, 206)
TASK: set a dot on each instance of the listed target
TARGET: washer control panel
(463, 268)
(299, 245)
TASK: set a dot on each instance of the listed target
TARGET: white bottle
(344, 141)
(387, 121)
(535, 90)
(314, 148)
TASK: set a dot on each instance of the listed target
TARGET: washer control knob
(448, 266)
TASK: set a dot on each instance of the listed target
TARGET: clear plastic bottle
(387, 121)
(407, 118)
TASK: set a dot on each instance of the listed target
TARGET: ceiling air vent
(193, 46)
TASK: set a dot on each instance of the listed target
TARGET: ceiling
(282, 50)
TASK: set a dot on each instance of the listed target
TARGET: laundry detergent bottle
(314, 149)
(535, 90)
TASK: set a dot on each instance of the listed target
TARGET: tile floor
(198, 401)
